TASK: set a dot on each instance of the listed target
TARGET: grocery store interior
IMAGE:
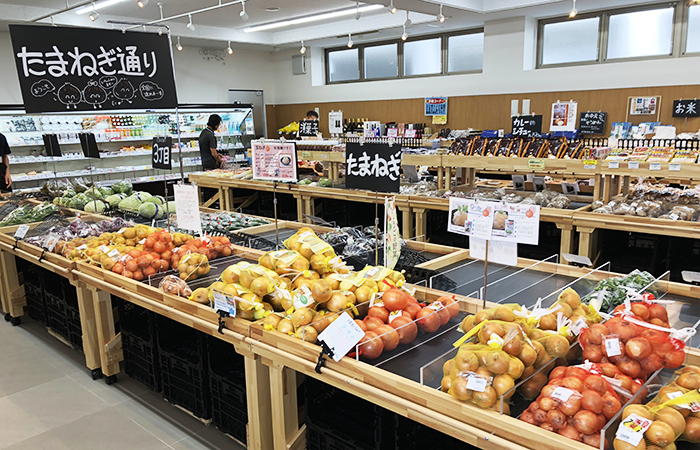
(342, 224)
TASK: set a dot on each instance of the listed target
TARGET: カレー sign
(161, 156)
(592, 122)
(374, 167)
(527, 126)
(686, 108)
(86, 69)
(436, 106)
(274, 161)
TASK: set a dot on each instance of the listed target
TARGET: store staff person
(207, 144)
(5, 179)
(311, 115)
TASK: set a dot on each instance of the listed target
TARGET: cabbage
(106, 191)
(95, 207)
(171, 207)
(157, 199)
(96, 194)
(130, 204)
(141, 196)
(114, 200)
(77, 202)
(151, 211)
(122, 187)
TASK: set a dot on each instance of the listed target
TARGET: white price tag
(342, 335)
(674, 167)
(104, 249)
(633, 165)
(393, 315)
(613, 164)
(612, 346)
(223, 302)
(632, 428)
(655, 166)
(21, 231)
(476, 383)
(114, 253)
(51, 242)
(578, 326)
(437, 306)
(303, 298)
(563, 394)
(121, 231)
(82, 247)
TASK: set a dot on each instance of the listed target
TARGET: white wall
(508, 68)
(199, 80)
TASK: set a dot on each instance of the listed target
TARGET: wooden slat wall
(493, 111)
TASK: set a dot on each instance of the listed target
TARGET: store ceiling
(225, 23)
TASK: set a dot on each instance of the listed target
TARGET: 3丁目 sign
(161, 156)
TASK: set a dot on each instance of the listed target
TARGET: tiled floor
(48, 400)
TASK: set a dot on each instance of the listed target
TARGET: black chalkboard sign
(686, 108)
(592, 122)
(373, 167)
(86, 69)
(162, 153)
(527, 126)
(308, 128)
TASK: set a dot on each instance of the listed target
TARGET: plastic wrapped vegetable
(175, 286)
(193, 265)
(284, 262)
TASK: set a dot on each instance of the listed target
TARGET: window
(382, 61)
(693, 37)
(641, 33)
(344, 65)
(465, 53)
(571, 41)
(422, 57)
(442, 54)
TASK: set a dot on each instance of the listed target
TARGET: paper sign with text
(274, 161)
(342, 335)
(187, 207)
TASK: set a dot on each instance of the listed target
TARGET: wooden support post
(448, 178)
(567, 240)
(607, 184)
(626, 184)
(212, 200)
(225, 203)
(407, 232)
(300, 208)
(309, 208)
(109, 349)
(259, 404)
(88, 324)
(440, 177)
(471, 173)
(421, 224)
(597, 188)
(13, 297)
(586, 244)
(285, 415)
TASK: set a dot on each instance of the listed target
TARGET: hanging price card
(224, 302)
(21, 231)
(342, 335)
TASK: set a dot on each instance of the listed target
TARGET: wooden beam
(285, 416)
(250, 200)
(212, 200)
(89, 327)
(259, 404)
(102, 302)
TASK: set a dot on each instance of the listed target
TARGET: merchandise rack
(271, 359)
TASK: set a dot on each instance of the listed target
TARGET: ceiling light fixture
(440, 17)
(573, 11)
(302, 50)
(392, 9)
(273, 9)
(229, 49)
(178, 46)
(96, 6)
(350, 42)
(244, 15)
(408, 21)
(143, 3)
(358, 14)
(314, 18)
(94, 15)
(190, 25)
(404, 36)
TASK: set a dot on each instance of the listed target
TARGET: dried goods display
(657, 201)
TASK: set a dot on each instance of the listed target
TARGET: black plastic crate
(36, 305)
(74, 328)
(56, 318)
(141, 360)
(228, 391)
(137, 321)
(411, 435)
(183, 365)
(364, 425)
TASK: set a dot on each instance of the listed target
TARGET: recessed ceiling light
(272, 9)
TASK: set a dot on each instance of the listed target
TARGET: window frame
(679, 33)
(400, 56)
(685, 24)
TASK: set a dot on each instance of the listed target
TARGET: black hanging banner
(592, 122)
(686, 108)
(85, 69)
(308, 128)
(373, 167)
(162, 153)
(89, 145)
(527, 126)
(51, 145)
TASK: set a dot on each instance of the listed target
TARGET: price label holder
(562, 393)
(306, 155)
(49, 244)
(633, 165)
(674, 167)
(338, 338)
(535, 163)
(655, 166)
(20, 234)
(225, 306)
(612, 345)
(578, 326)
(632, 428)
(613, 164)
(590, 164)
(476, 383)
(576, 260)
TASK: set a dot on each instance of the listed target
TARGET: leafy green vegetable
(614, 288)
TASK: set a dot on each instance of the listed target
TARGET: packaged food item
(175, 286)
